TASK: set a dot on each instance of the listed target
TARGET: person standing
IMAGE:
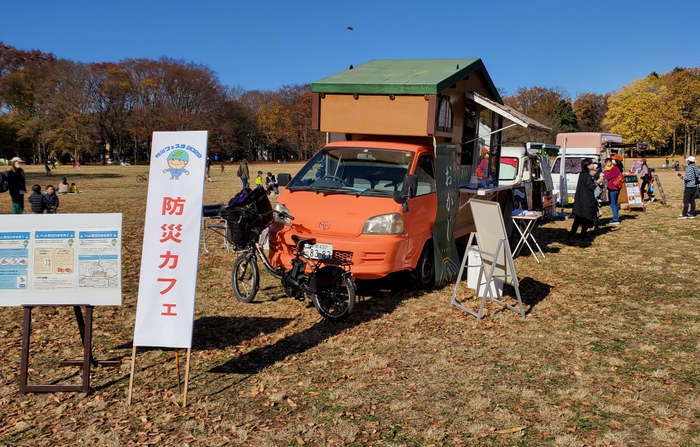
(645, 175)
(47, 169)
(37, 201)
(611, 172)
(243, 172)
(585, 208)
(17, 185)
(272, 185)
(691, 180)
(51, 200)
(208, 170)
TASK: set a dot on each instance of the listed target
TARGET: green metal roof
(403, 76)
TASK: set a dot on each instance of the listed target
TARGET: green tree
(564, 119)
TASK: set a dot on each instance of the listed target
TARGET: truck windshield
(354, 170)
(509, 168)
(573, 165)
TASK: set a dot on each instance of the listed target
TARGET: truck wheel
(425, 269)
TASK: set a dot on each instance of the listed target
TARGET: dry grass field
(607, 356)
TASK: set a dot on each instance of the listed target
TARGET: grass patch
(608, 354)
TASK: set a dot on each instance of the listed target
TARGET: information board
(60, 259)
(633, 190)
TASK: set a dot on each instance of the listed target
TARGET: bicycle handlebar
(283, 214)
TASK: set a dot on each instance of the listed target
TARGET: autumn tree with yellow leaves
(663, 110)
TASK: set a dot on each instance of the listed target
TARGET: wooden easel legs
(85, 327)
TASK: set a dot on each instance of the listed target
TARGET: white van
(596, 146)
(526, 166)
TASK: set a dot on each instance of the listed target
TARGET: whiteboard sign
(490, 229)
(169, 261)
(60, 259)
(633, 189)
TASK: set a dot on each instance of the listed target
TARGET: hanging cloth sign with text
(170, 256)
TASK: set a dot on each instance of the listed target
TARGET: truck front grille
(342, 255)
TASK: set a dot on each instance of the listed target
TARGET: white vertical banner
(170, 257)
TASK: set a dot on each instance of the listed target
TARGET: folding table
(525, 222)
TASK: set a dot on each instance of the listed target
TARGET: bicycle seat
(301, 242)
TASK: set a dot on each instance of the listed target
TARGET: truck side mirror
(283, 179)
(408, 189)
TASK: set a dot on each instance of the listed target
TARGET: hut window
(444, 123)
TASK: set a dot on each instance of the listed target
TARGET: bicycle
(142, 178)
(329, 283)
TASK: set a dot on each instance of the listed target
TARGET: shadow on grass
(377, 299)
(546, 236)
(72, 177)
(221, 332)
(532, 292)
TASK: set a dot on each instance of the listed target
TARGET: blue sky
(583, 46)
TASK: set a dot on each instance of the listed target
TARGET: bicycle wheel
(335, 293)
(140, 179)
(245, 278)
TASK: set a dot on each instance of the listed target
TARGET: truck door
(422, 209)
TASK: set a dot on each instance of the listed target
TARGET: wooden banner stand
(657, 185)
(85, 327)
(177, 361)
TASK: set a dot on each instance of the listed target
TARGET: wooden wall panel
(375, 114)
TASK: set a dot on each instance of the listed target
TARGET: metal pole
(562, 176)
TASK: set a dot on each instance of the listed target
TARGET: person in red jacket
(612, 170)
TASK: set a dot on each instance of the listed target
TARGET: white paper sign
(60, 259)
(169, 261)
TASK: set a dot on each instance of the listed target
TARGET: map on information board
(68, 259)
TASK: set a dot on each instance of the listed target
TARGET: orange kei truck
(409, 142)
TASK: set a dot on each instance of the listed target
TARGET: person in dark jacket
(585, 203)
(37, 200)
(17, 184)
(690, 180)
(51, 200)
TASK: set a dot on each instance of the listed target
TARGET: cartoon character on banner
(177, 161)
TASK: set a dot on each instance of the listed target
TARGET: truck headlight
(276, 217)
(384, 224)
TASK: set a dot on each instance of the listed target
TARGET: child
(51, 200)
(222, 168)
(258, 179)
(73, 188)
(271, 181)
(37, 201)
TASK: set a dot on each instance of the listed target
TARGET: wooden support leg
(24, 365)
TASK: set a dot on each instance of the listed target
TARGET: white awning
(506, 112)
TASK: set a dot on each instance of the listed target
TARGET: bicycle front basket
(243, 226)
